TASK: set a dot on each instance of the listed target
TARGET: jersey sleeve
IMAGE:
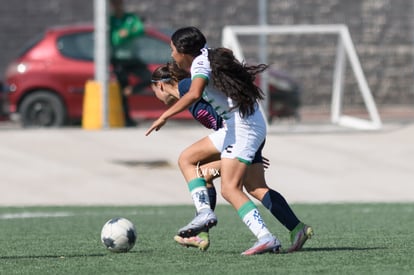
(200, 67)
(201, 110)
(204, 113)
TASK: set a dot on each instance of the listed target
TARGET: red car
(46, 82)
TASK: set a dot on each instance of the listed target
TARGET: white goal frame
(345, 46)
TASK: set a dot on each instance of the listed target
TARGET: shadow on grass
(311, 249)
(50, 256)
(62, 256)
(316, 249)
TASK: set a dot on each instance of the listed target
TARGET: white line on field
(112, 213)
(27, 215)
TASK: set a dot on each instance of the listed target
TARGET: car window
(77, 46)
(151, 50)
(80, 46)
(33, 42)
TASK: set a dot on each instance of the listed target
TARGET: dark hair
(189, 40)
(236, 79)
(169, 73)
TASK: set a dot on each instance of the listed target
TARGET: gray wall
(382, 31)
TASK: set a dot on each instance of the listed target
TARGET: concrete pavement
(72, 166)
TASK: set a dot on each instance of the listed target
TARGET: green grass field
(349, 239)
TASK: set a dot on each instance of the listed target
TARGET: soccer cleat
(298, 236)
(268, 243)
(200, 241)
(205, 219)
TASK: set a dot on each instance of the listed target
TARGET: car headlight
(21, 68)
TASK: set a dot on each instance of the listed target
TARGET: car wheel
(42, 109)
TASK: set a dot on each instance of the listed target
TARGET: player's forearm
(186, 101)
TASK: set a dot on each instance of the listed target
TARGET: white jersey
(220, 102)
(242, 137)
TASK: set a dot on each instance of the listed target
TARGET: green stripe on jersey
(200, 76)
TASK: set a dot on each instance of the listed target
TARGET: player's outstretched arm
(156, 125)
(194, 94)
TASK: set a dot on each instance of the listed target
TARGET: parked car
(46, 81)
(285, 96)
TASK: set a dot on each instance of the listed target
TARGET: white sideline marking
(28, 215)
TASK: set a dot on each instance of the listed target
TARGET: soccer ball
(118, 235)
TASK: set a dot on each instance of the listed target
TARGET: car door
(78, 67)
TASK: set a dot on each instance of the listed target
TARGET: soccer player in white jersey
(169, 84)
(228, 86)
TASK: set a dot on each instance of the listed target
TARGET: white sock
(199, 194)
(252, 218)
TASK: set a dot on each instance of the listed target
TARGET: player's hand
(266, 162)
(156, 125)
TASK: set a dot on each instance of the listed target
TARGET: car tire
(42, 109)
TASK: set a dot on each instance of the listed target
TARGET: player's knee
(181, 162)
(227, 191)
(225, 194)
(257, 193)
(184, 160)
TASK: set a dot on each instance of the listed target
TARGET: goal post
(345, 51)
